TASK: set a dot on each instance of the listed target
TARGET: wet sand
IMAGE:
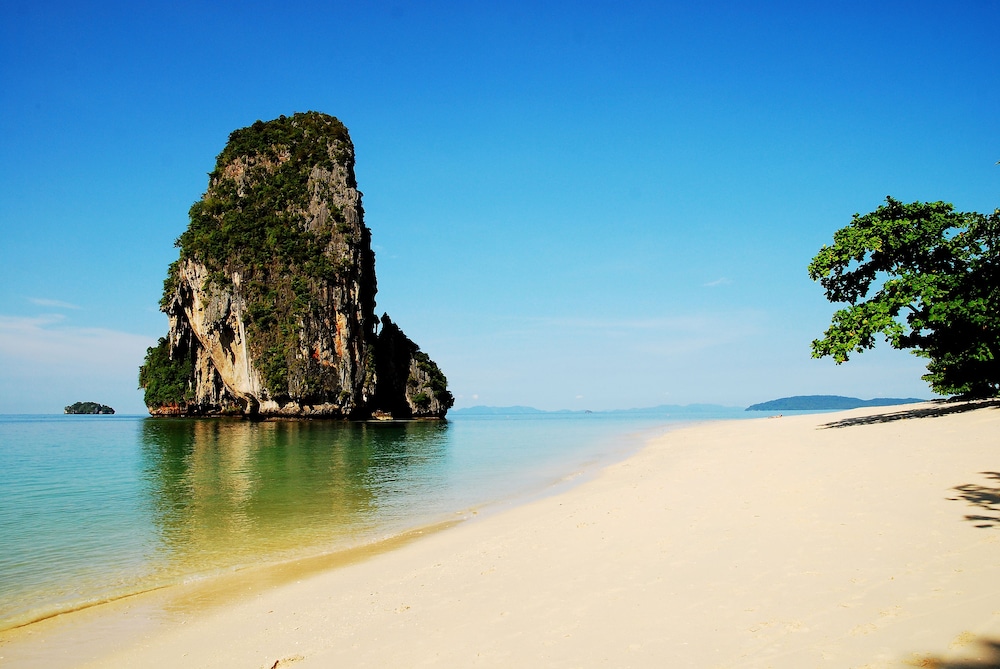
(868, 538)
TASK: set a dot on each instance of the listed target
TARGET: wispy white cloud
(721, 281)
(694, 323)
(47, 363)
(617, 340)
(47, 341)
(55, 304)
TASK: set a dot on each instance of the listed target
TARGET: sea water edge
(93, 508)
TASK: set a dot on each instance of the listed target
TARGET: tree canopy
(925, 277)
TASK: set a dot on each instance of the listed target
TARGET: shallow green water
(95, 507)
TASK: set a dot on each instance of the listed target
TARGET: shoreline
(857, 538)
(217, 588)
(210, 590)
(559, 469)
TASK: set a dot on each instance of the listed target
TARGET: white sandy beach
(868, 538)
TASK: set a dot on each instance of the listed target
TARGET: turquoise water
(96, 507)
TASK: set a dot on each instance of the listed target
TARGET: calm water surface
(96, 507)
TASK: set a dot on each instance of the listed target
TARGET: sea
(95, 508)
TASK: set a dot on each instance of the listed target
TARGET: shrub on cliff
(167, 381)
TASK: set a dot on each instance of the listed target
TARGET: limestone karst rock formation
(272, 300)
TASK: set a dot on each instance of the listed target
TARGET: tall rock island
(272, 300)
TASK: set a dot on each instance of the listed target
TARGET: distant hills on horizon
(828, 402)
(795, 403)
(523, 410)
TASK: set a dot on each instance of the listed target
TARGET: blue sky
(573, 205)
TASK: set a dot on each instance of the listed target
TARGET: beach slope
(866, 538)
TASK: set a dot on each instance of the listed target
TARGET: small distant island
(87, 408)
(827, 402)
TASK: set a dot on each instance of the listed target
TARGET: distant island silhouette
(88, 408)
(663, 409)
(828, 402)
(795, 403)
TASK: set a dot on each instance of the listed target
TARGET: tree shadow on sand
(937, 409)
(988, 657)
(981, 497)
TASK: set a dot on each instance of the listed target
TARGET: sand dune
(867, 538)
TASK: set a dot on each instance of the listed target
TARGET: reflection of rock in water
(226, 492)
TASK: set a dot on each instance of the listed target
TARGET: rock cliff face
(272, 300)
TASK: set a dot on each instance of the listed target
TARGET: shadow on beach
(939, 408)
(981, 497)
(988, 658)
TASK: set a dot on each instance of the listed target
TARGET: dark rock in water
(409, 383)
(88, 408)
(272, 301)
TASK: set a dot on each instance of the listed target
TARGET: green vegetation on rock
(167, 381)
(253, 216)
(437, 382)
(925, 277)
(253, 222)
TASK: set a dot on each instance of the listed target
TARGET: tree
(925, 277)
